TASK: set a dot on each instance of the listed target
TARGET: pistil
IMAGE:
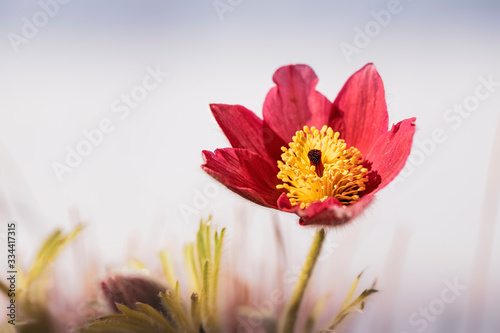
(314, 156)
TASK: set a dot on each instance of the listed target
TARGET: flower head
(323, 161)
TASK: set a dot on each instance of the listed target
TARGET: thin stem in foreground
(300, 287)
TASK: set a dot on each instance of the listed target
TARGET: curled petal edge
(327, 213)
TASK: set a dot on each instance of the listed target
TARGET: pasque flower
(323, 161)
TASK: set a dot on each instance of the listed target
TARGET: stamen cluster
(318, 165)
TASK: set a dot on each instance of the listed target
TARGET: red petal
(361, 102)
(390, 152)
(328, 213)
(244, 130)
(295, 102)
(245, 173)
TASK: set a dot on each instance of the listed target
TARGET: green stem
(300, 287)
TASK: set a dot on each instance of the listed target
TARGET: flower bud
(130, 289)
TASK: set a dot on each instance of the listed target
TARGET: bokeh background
(142, 186)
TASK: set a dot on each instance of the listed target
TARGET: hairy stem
(300, 287)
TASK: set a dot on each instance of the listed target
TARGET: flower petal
(245, 173)
(294, 102)
(390, 152)
(244, 130)
(361, 102)
(327, 213)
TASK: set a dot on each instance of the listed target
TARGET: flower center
(317, 166)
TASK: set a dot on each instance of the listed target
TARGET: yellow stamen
(317, 166)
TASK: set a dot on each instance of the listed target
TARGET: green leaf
(168, 267)
(356, 305)
(202, 261)
(315, 314)
(218, 251)
(50, 250)
(4, 288)
(158, 318)
(177, 311)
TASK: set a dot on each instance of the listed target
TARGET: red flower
(296, 159)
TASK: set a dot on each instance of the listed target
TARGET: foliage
(31, 297)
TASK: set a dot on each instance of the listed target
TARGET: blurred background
(143, 74)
